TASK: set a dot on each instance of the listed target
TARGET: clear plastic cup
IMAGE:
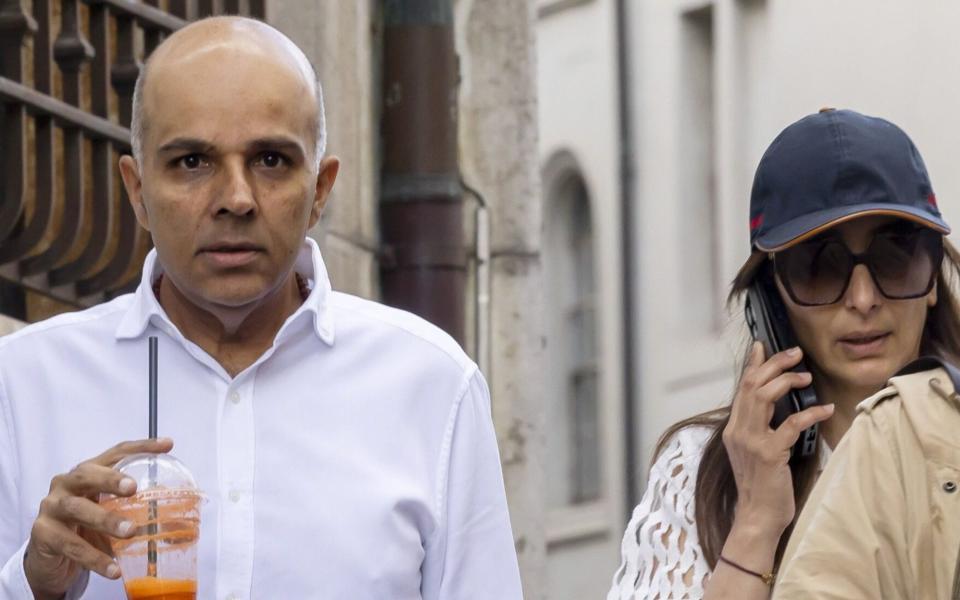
(159, 562)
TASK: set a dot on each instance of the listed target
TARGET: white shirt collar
(309, 265)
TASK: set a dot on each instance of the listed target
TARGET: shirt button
(235, 397)
(234, 496)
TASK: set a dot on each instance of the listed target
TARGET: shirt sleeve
(660, 553)
(13, 581)
(13, 542)
(473, 555)
(849, 539)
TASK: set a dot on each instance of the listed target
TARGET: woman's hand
(760, 455)
(760, 459)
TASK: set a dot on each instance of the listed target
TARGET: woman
(845, 231)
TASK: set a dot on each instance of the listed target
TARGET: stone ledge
(9, 324)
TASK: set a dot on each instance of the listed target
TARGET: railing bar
(123, 77)
(100, 217)
(147, 16)
(25, 243)
(123, 258)
(125, 69)
(17, 25)
(38, 283)
(101, 220)
(72, 217)
(14, 168)
(71, 50)
(258, 9)
(42, 50)
(100, 74)
(151, 39)
(178, 8)
(205, 8)
(64, 114)
(27, 240)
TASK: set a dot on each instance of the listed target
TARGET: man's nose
(862, 294)
(236, 195)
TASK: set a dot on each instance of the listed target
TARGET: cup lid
(157, 471)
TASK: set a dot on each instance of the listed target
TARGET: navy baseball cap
(834, 166)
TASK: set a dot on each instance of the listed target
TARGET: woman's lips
(864, 346)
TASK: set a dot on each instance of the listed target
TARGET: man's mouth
(230, 255)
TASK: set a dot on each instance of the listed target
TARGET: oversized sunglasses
(903, 263)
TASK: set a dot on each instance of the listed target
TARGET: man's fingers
(51, 539)
(789, 431)
(89, 479)
(86, 513)
(97, 540)
(124, 449)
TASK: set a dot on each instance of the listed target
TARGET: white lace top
(661, 557)
(660, 552)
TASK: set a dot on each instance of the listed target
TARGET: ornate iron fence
(67, 74)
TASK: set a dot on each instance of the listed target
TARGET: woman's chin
(870, 375)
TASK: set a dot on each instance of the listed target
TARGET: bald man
(345, 448)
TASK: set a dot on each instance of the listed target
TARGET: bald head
(210, 44)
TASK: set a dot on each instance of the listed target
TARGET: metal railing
(66, 228)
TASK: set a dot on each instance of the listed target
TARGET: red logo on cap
(932, 199)
(756, 221)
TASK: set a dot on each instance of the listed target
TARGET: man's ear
(326, 176)
(130, 172)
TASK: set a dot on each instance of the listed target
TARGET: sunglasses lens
(904, 264)
(815, 272)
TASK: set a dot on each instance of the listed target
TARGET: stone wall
(341, 41)
(8, 325)
(498, 145)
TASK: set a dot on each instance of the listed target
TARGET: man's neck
(234, 337)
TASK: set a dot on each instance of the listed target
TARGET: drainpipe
(627, 216)
(423, 266)
(481, 297)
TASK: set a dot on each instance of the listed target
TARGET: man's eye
(191, 161)
(273, 160)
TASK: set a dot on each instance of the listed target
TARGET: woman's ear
(932, 296)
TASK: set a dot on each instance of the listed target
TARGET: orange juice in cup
(159, 561)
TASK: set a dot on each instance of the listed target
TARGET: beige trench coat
(883, 521)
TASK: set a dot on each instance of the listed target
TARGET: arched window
(573, 444)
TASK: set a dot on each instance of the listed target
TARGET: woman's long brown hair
(715, 496)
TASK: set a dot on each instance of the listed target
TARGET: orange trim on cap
(850, 217)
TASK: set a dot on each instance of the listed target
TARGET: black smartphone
(767, 318)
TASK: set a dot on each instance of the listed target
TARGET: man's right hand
(72, 531)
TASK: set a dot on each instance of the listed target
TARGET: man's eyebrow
(278, 143)
(187, 145)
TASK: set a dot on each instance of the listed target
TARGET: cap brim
(807, 226)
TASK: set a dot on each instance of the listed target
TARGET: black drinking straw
(152, 511)
(153, 387)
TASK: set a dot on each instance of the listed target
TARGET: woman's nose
(862, 294)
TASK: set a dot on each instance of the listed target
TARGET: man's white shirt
(355, 459)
